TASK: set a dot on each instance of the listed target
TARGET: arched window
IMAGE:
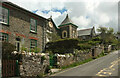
(64, 34)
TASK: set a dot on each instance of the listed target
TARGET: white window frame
(33, 25)
(4, 15)
(3, 37)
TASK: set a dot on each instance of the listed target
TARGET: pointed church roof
(67, 21)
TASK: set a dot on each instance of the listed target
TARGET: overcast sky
(83, 13)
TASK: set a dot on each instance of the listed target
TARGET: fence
(9, 68)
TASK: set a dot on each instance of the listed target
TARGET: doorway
(18, 44)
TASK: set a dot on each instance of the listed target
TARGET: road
(104, 66)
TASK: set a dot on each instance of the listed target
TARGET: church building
(67, 28)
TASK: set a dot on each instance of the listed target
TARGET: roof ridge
(85, 29)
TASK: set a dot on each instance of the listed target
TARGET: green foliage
(83, 46)
(101, 54)
(36, 50)
(62, 46)
(53, 36)
(96, 39)
(94, 42)
(32, 50)
(76, 63)
(42, 59)
(41, 75)
(102, 29)
(107, 35)
(7, 49)
(24, 49)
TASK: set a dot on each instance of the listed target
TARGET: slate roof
(67, 21)
(14, 5)
(85, 32)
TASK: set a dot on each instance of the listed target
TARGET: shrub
(94, 42)
(7, 49)
(84, 46)
(41, 75)
(62, 46)
(24, 49)
(36, 50)
(42, 59)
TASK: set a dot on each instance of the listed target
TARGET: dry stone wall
(31, 65)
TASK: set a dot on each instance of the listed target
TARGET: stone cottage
(23, 28)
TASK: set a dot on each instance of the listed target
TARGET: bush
(42, 59)
(94, 42)
(41, 75)
(83, 46)
(62, 46)
(24, 48)
(36, 50)
(7, 49)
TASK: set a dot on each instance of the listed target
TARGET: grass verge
(76, 63)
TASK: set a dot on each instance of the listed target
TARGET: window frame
(33, 31)
(31, 42)
(2, 7)
(5, 35)
(63, 34)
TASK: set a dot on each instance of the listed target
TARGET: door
(18, 44)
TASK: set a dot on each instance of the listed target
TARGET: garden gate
(10, 68)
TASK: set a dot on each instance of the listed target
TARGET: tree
(53, 36)
(107, 35)
(102, 30)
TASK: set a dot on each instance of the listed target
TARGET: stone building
(86, 34)
(67, 28)
(26, 29)
(23, 28)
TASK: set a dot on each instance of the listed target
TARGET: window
(3, 37)
(73, 34)
(64, 34)
(33, 25)
(4, 16)
(33, 43)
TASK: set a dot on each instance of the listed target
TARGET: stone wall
(31, 64)
(83, 56)
(19, 27)
(98, 49)
(64, 60)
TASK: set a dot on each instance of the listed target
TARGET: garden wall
(32, 65)
(64, 60)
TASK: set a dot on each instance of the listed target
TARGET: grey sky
(83, 13)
